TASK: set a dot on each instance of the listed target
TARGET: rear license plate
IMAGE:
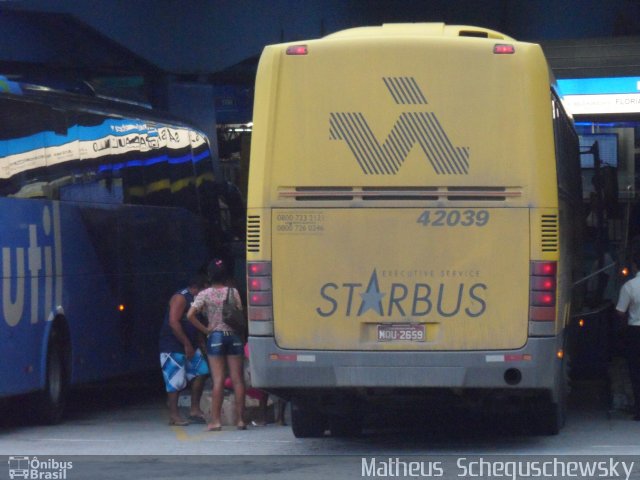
(405, 332)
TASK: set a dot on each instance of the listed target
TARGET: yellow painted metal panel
(461, 274)
(403, 111)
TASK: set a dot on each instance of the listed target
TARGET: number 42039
(453, 218)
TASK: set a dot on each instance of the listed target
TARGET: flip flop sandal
(196, 419)
(178, 423)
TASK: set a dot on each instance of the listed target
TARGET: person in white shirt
(629, 306)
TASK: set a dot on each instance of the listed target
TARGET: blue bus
(105, 209)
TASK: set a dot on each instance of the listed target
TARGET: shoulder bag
(233, 316)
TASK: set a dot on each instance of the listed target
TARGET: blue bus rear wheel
(51, 401)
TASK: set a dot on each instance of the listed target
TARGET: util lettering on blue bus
(418, 300)
(23, 268)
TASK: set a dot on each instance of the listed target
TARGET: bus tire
(345, 426)
(549, 419)
(51, 401)
(306, 421)
(549, 416)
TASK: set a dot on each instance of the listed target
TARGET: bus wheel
(345, 425)
(550, 419)
(50, 402)
(306, 421)
(549, 416)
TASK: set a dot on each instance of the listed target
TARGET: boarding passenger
(223, 344)
(181, 360)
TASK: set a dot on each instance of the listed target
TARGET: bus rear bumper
(533, 367)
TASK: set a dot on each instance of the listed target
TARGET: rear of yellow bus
(403, 222)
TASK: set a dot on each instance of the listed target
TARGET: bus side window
(83, 171)
(205, 182)
(151, 172)
(168, 173)
(23, 148)
(184, 179)
(183, 184)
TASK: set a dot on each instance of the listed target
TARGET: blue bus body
(105, 211)
(83, 262)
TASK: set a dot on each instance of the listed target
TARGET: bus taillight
(543, 268)
(501, 49)
(542, 292)
(259, 269)
(545, 284)
(259, 284)
(259, 299)
(260, 292)
(543, 299)
(297, 50)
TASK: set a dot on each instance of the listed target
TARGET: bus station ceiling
(225, 37)
(218, 42)
(594, 57)
(60, 41)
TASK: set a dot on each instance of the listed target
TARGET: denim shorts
(224, 343)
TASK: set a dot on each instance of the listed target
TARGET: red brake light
(297, 50)
(501, 48)
(543, 299)
(259, 283)
(543, 283)
(543, 268)
(547, 298)
(259, 269)
(260, 298)
(542, 291)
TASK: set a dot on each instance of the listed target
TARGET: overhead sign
(600, 95)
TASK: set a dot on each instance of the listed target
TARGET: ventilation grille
(475, 194)
(549, 230)
(253, 233)
(473, 33)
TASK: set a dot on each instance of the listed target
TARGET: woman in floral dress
(224, 346)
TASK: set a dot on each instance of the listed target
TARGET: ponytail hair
(217, 271)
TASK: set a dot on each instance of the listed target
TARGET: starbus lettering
(401, 299)
(25, 268)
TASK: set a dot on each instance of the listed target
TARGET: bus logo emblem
(18, 467)
(423, 128)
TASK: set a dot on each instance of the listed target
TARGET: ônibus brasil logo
(423, 128)
(34, 468)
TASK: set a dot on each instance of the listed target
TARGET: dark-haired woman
(223, 344)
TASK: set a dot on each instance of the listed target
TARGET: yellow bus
(412, 202)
